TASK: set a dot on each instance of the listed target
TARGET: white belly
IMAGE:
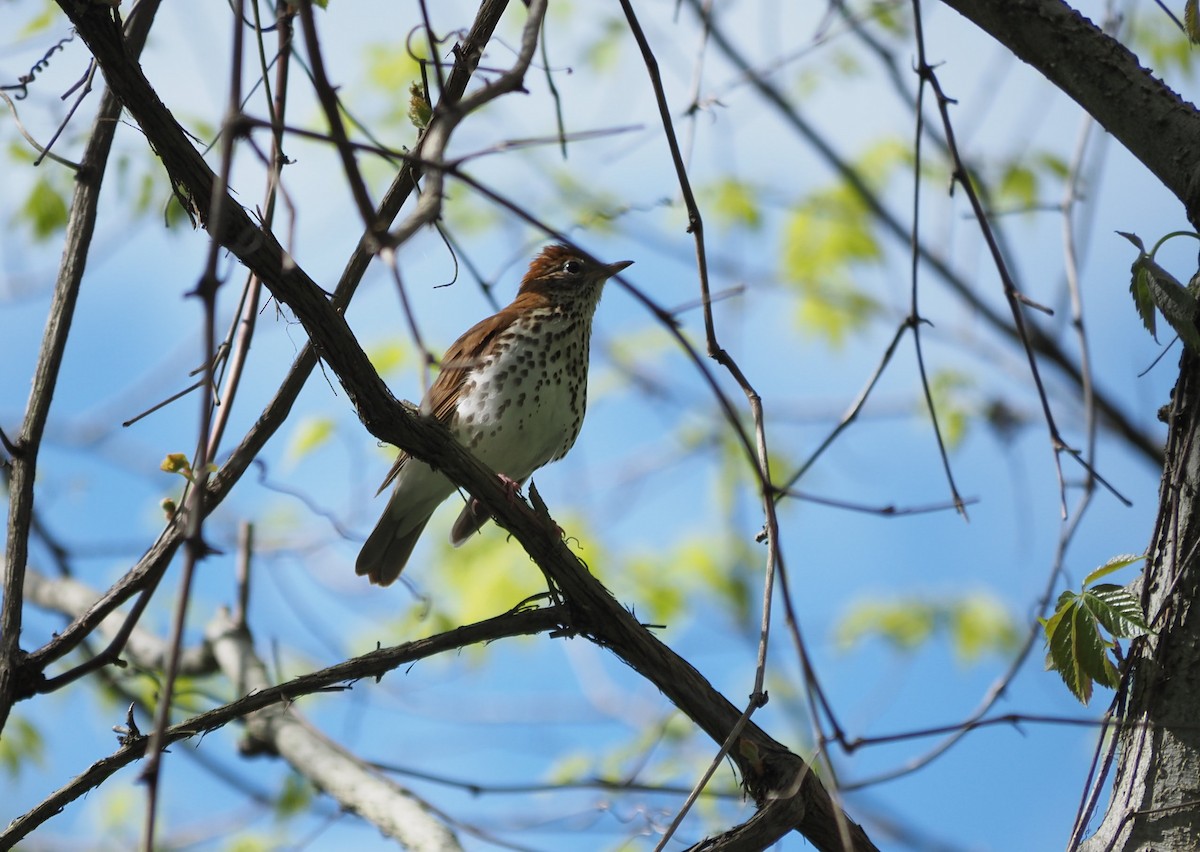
(523, 407)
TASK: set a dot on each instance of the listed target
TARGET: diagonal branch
(397, 812)
(769, 770)
(375, 664)
(1105, 78)
(81, 225)
(1147, 443)
(143, 576)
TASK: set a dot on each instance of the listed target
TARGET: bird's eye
(573, 267)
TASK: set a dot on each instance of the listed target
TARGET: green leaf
(836, 314)
(700, 567)
(1114, 564)
(294, 798)
(975, 624)
(1076, 648)
(891, 17)
(1190, 24)
(1090, 647)
(466, 215)
(735, 205)
(980, 623)
(420, 113)
(1155, 39)
(1139, 288)
(1135, 239)
(1018, 185)
(828, 237)
(1053, 164)
(20, 746)
(41, 21)
(45, 209)
(116, 811)
(905, 625)
(250, 841)
(946, 387)
(1173, 301)
(1063, 641)
(604, 52)
(1118, 610)
(390, 71)
(174, 213)
(571, 767)
(388, 356)
(310, 435)
(177, 463)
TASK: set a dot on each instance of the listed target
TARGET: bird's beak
(611, 269)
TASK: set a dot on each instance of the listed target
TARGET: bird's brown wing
(462, 356)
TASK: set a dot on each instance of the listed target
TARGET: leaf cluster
(1152, 287)
(1075, 634)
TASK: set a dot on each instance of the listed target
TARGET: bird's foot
(510, 485)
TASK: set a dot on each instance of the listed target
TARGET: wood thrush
(512, 390)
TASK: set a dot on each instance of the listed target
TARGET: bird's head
(564, 274)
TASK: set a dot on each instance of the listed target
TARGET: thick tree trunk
(1155, 803)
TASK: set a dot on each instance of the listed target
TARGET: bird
(512, 390)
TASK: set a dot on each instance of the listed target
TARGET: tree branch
(375, 664)
(767, 766)
(1106, 79)
(1148, 443)
(81, 225)
(332, 769)
(143, 576)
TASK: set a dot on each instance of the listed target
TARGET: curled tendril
(412, 51)
(21, 87)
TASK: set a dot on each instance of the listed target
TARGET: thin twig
(555, 97)
(62, 161)
(888, 511)
(695, 223)
(432, 147)
(85, 88)
(914, 317)
(334, 678)
(774, 569)
(1146, 443)
(331, 106)
(927, 73)
(143, 577)
(196, 548)
(387, 256)
(241, 334)
(25, 446)
(245, 562)
(853, 411)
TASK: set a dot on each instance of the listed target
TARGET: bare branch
(81, 225)
(372, 665)
(280, 729)
(1163, 132)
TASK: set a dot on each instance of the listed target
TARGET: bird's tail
(470, 519)
(386, 550)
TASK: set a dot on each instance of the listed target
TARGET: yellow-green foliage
(975, 624)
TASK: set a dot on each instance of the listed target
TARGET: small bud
(177, 463)
(419, 111)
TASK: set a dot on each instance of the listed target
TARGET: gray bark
(1155, 803)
